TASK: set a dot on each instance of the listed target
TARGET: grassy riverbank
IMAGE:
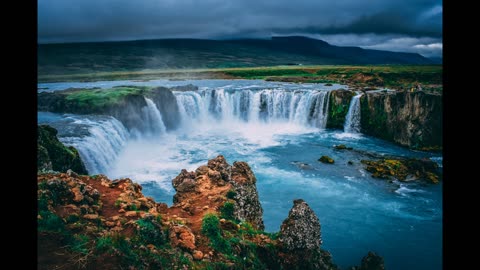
(390, 76)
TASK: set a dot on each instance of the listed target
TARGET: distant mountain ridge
(203, 53)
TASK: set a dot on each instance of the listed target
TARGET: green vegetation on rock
(338, 108)
(404, 169)
(374, 118)
(82, 228)
(227, 211)
(326, 159)
(87, 100)
(412, 119)
(103, 97)
(53, 155)
(342, 147)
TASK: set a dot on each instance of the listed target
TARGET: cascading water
(99, 139)
(282, 150)
(153, 118)
(303, 107)
(352, 120)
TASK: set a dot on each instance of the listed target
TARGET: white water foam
(100, 149)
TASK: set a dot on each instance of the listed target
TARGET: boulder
(342, 147)
(183, 183)
(197, 255)
(220, 165)
(181, 236)
(403, 169)
(326, 159)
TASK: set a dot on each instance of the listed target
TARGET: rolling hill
(73, 58)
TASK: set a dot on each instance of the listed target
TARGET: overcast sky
(397, 25)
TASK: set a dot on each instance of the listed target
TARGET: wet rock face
(247, 203)
(410, 119)
(128, 110)
(167, 104)
(53, 155)
(301, 229)
(338, 108)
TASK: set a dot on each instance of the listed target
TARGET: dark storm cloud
(381, 23)
(93, 20)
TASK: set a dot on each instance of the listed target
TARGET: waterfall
(303, 107)
(99, 140)
(153, 118)
(352, 120)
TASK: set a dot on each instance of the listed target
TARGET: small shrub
(247, 228)
(80, 243)
(104, 243)
(184, 261)
(117, 203)
(211, 225)
(211, 228)
(50, 222)
(231, 194)
(227, 210)
(43, 202)
(150, 231)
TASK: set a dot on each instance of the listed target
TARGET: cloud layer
(419, 21)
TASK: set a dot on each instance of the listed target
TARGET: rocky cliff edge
(215, 222)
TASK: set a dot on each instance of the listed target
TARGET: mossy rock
(339, 103)
(326, 159)
(342, 147)
(53, 155)
(404, 169)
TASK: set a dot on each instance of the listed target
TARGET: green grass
(211, 228)
(391, 76)
(267, 72)
(150, 232)
(227, 210)
(103, 97)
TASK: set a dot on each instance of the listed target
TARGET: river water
(278, 128)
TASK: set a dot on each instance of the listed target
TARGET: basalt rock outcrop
(412, 119)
